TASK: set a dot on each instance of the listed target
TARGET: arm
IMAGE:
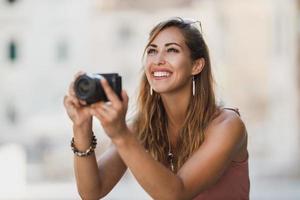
(93, 181)
(202, 170)
(223, 140)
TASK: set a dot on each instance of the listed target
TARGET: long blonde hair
(151, 121)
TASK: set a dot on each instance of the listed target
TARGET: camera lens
(84, 86)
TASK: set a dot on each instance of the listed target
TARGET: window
(62, 54)
(11, 113)
(12, 51)
(125, 33)
(11, 1)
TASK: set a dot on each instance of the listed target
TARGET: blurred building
(255, 54)
(298, 31)
(41, 42)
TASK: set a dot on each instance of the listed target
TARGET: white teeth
(161, 74)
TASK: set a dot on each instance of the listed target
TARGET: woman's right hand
(76, 109)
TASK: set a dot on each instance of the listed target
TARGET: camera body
(89, 89)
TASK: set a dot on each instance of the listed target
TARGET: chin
(161, 91)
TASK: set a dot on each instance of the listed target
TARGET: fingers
(125, 99)
(105, 108)
(75, 111)
(103, 111)
(111, 95)
(71, 90)
(71, 101)
(79, 73)
(69, 105)
(66, 101)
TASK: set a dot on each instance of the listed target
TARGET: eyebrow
(167, 44)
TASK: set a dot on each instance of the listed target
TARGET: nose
(160, 59)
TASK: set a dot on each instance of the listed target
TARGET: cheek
(147, 63)
(181, 65)
(147, 71)
(184, 71)
(147, 74)
(177, 60)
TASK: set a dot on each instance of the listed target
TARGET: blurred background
(254, 48)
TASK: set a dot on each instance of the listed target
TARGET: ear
(198, 66)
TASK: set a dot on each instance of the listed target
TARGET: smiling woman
(182, 144)
(168, 61)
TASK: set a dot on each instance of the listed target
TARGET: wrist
(87, 150)
(122, 138)
(83, 129)
(82, 135)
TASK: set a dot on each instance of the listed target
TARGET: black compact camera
(89, 89)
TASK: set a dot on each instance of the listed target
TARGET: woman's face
(168, 65)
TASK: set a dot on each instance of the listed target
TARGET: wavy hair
(151, 122)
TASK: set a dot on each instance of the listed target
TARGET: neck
(176, 105)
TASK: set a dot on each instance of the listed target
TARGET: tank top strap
(236, 110)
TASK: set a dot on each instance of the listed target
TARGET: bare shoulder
(229, 128)
(226, 120)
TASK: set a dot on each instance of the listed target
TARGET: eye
(173, 50)
(151, 51)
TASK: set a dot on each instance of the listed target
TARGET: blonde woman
(182, 144)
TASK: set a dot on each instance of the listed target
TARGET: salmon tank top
(234, 184)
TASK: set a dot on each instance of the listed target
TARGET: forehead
(169, 35)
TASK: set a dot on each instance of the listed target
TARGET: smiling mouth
(161, 74)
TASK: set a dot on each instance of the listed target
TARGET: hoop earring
(151, 91)
(193, 88)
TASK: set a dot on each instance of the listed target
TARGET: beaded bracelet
(86, 152)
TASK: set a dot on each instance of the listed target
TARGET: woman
(182, 145)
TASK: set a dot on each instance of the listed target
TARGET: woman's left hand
(112, 114)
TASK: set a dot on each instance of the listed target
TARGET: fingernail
(103, 81)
